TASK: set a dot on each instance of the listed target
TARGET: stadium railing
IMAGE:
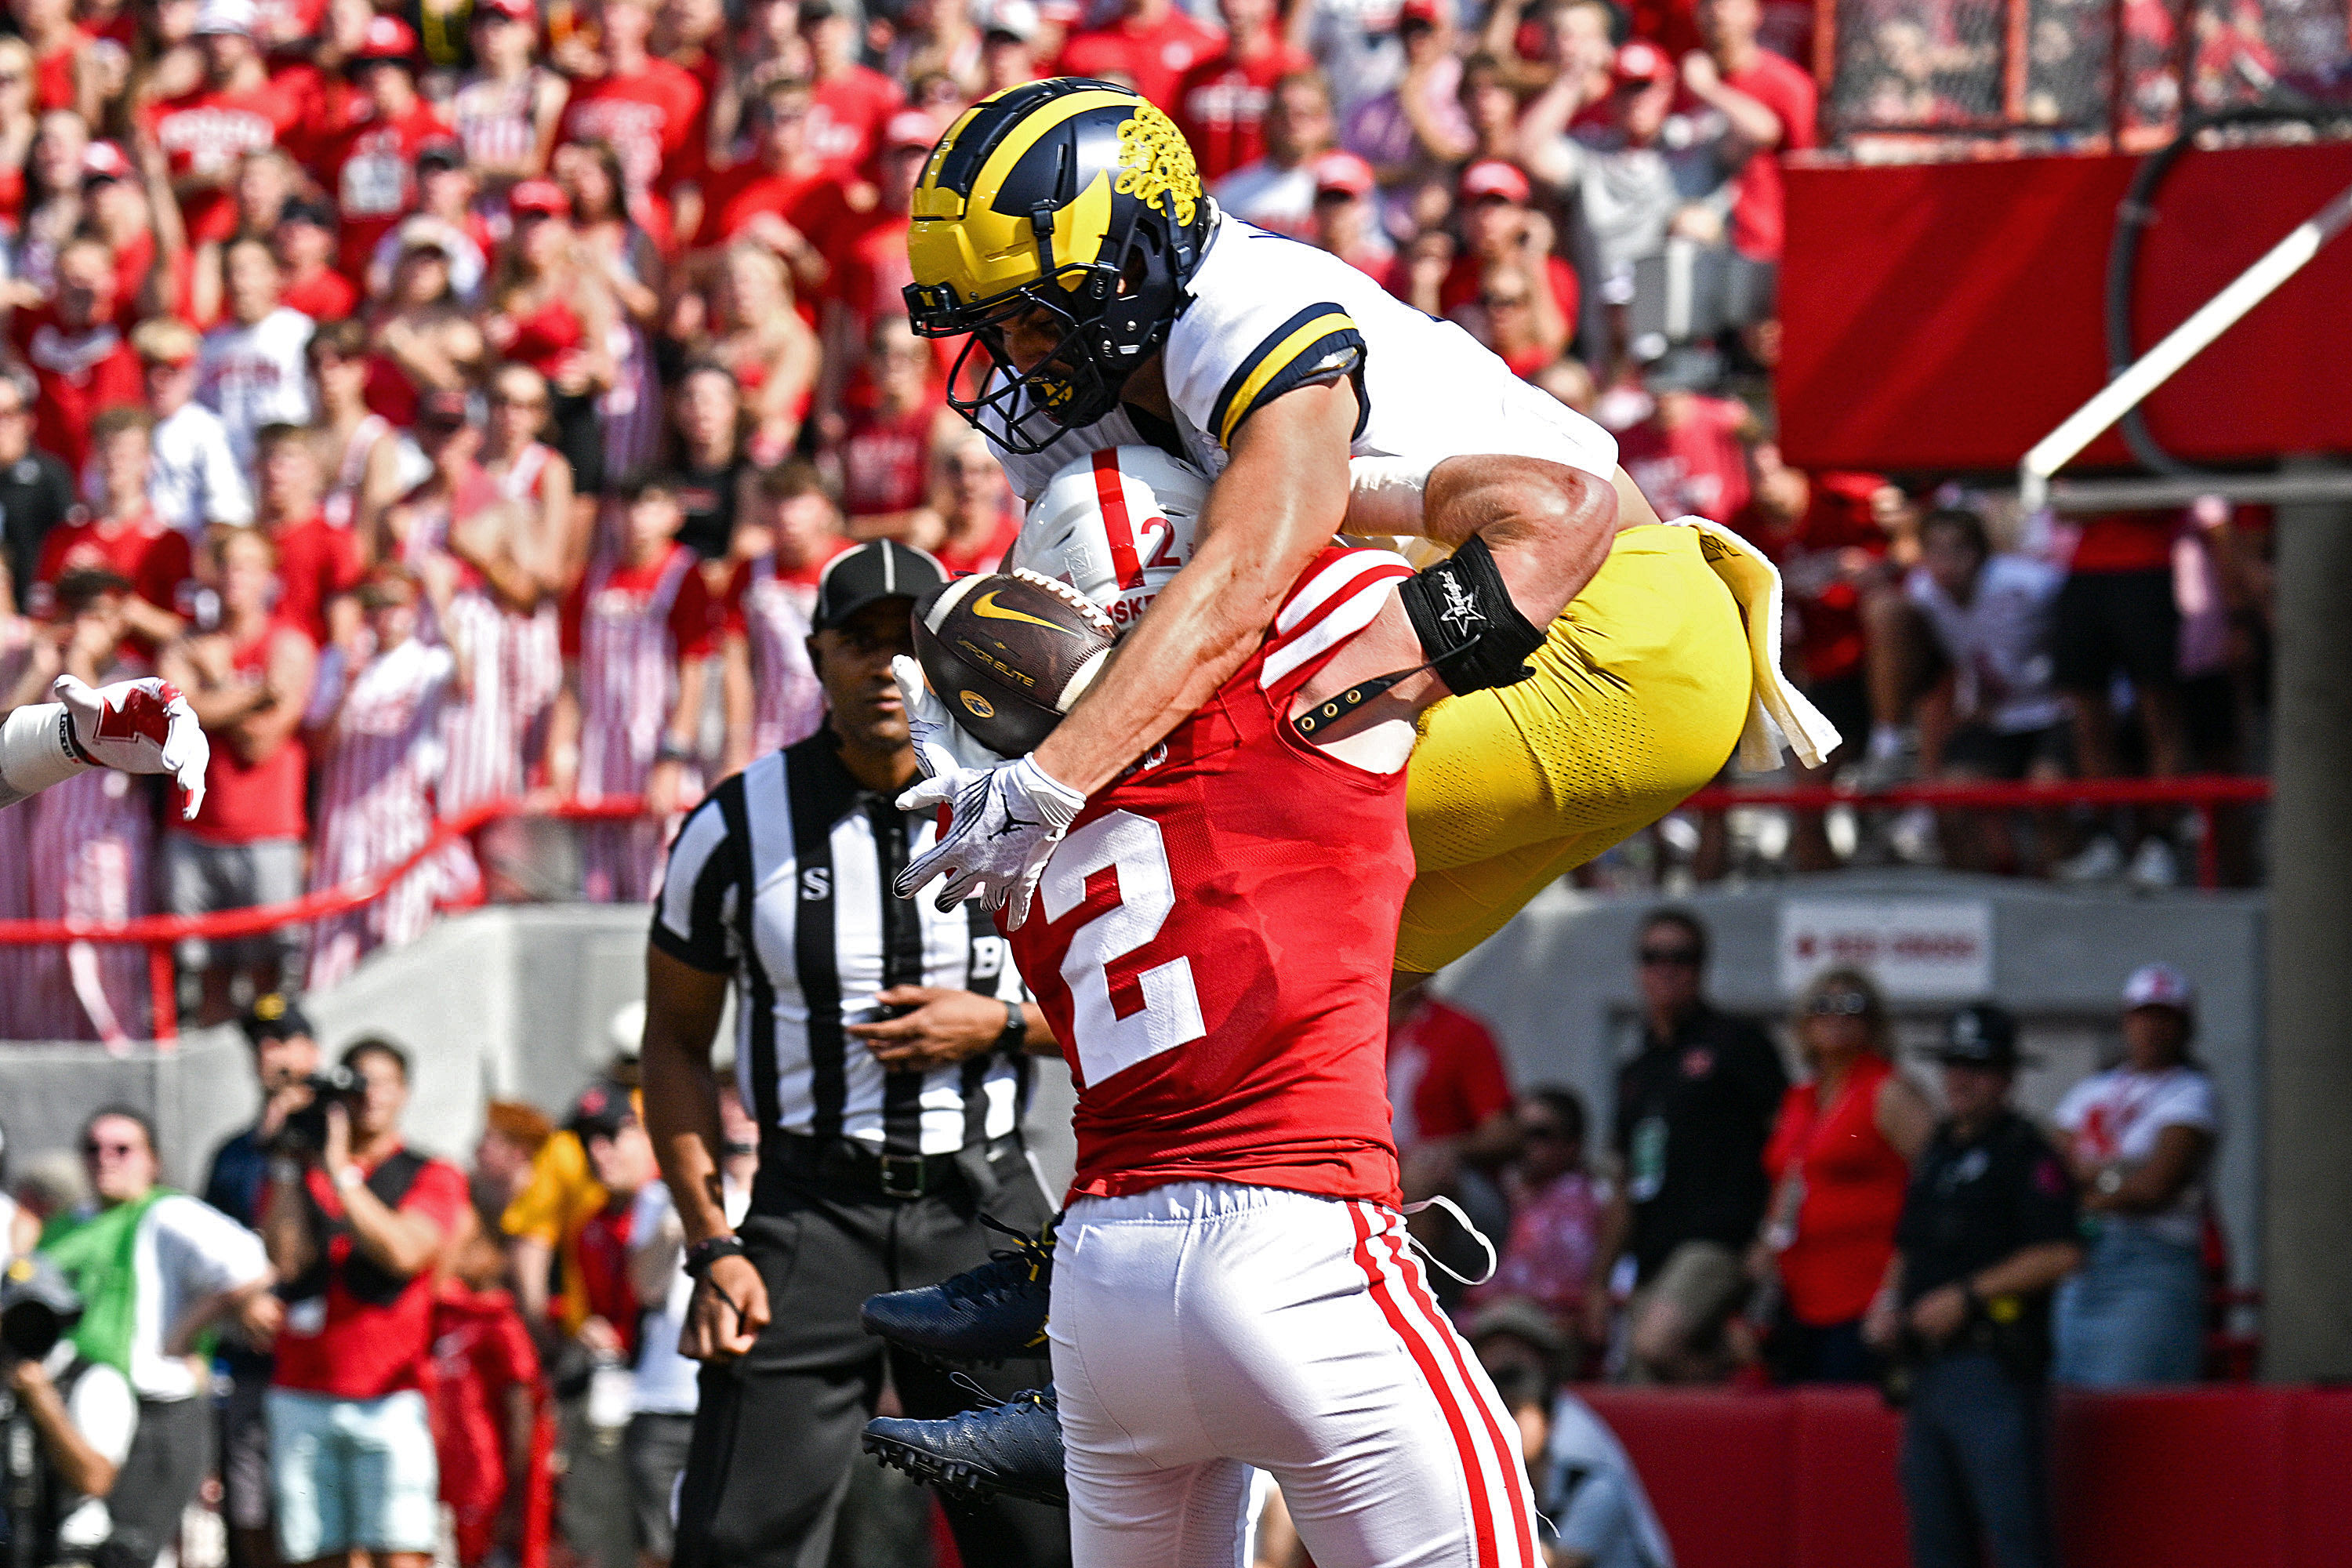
(159, 933)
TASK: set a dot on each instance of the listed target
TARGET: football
(1009, 653)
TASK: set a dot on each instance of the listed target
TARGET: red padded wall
(2252, 1477)
(1947, 315)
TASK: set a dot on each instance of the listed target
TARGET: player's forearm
(36, 751)
(1279, 502)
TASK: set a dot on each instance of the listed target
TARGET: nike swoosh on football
(986, 607)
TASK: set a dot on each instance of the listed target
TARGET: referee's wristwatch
(710, 1250)
(1016, 1030)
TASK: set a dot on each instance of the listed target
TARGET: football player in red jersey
(1212, 941)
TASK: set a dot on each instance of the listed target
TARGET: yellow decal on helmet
(1153, 158)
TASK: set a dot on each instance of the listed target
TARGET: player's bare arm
(1277, 503)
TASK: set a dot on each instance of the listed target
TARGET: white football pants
(1204, 1328)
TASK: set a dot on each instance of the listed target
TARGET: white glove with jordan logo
(1004, 817)
(136, 726)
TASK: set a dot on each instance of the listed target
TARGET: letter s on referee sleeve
(689, 919)
(1320, 344)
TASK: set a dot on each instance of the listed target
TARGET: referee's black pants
(777, 1431)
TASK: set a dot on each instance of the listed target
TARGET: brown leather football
(1009, 654)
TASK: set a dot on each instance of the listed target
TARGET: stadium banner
(1927, 950)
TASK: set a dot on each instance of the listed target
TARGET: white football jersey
(1115, 525)
(1265, 315)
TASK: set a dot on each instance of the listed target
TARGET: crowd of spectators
(1733, 1226)
(459, 398)
(375, 1351)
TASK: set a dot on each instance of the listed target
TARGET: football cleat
(982, 1316)
(1012, 1449)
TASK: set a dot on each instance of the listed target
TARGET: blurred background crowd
(457, 398)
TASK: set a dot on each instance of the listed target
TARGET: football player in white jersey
(1109, 303)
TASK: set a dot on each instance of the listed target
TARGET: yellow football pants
(1638, 698)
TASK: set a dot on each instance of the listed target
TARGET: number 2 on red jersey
(1129, 847)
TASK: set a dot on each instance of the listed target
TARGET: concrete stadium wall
(1558, 986)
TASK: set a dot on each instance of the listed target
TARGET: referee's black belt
(855, 1165)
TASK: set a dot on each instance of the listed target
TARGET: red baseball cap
(386, 38)
(1643, 62)
(1341, 171)
(1494, 177)
(104, 161)
(512, 10)
(1428, 12)
(910, 127)
(543, 196)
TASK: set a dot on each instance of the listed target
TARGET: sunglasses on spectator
(1839, 1004)
(508, 400)
(1549, 1131)
(11, 79)
(91, 1149)
(1678, 957)
(1503, 301)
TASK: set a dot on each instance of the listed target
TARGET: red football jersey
(1213, 939)
(371, 172)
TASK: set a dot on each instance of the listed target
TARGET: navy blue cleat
(982, 1316)
(1012, 1449)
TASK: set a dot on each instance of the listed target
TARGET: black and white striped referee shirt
(816, 937)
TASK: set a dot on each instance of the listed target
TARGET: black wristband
(1016, 1030)
(710, 1250)
(1472, 633)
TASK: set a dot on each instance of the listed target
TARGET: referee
(883, 1139)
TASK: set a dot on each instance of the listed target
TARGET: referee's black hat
(878, 569)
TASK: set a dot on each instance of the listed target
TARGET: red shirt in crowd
(324, 296)
(870, 273)
(846, 116)
(371, 172)
(1853, 1185)
(79, 374)
(205, 133)
(649, 117)
(1759, 218)
(885, 461)
(1153, 56)
(316, 562)
(984, 554)
(1461, 284)
(814, 204)
(153, 556)
(602, 1257)
(248, 802)
(1687, 457)
(2126, 541)
(361, 1350)
(1445, 1075)
(694, 622)
(55, 85)
(481, 1351)
(1221, 106)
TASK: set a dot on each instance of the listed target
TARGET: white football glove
(941, 745)
(140, 726)
(1005, 818)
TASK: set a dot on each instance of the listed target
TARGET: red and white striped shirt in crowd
(630, 627)
(342, 504)
(494, 734)
(92, 842)
(771, 612)
(378, 765)
(16, 853)
(497, 120)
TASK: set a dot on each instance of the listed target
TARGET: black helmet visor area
(1023, 413)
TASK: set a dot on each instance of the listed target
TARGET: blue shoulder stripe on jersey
(1318, 342)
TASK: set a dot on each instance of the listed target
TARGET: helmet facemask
(1113, 320)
